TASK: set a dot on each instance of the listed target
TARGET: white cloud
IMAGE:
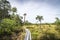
(33, 9)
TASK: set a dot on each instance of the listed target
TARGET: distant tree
(57, 22)
(27, 22)
(39, 18)
(14, 10)
(5, 8)
(24, 17)
(18, 19)
(57, 18)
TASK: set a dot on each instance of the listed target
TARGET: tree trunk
(24, 20)
(40, 27)
(40, 24)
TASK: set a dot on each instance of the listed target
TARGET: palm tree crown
(39, 18)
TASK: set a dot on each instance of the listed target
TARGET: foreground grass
(36, 32)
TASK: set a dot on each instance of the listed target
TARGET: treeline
(43, 24)
(10, 21)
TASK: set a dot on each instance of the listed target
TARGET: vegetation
(11, 25)
(57, 22)
(24, 17)
(39, 18)
(5, 8)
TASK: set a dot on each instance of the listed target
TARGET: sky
(49, 9)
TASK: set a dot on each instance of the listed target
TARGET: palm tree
(39, 18)
(24, 17)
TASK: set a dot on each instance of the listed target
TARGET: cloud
(37, 7)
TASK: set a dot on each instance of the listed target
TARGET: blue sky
(49, 9)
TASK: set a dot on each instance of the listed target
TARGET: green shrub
(8, 26)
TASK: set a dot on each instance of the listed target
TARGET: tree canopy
(5, 8)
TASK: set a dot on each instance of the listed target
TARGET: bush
(7, 26)
(48, 37)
